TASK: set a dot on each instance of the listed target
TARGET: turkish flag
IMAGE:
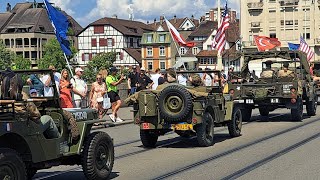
(264, 43)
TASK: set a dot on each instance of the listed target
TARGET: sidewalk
(124, 113)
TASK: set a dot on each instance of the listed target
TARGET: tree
(99, 62)
(6, 57)
(53, 55)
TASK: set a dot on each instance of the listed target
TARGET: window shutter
(94, 42)
(121, 56)
(102, 42)
(113, 42)
(82, 56)
(90, 56)
(98, 29)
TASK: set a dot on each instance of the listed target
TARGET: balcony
(289, 3)
(255, 25)
(256, 6)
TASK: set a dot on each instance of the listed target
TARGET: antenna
(130, 12)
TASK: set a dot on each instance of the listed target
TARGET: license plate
(182, 127)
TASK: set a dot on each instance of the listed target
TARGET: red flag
(265, 43)
(177, 37)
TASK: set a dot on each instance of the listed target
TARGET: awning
(180, 62)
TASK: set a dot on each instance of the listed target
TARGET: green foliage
(6, 56)
(53, 55)
(21, 63)
(99, 62)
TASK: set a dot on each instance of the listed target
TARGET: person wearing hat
(285, 72)
(144, 81)
(132, 80)
(230, 73)
(267, 72)
(35, 83)
(79, 88)
(48, 91)
(112, 83)
(33, 93)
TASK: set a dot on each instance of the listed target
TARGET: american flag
(304, 47)
(219, 40)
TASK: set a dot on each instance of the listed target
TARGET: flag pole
(68, 64)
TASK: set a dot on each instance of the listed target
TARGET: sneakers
(113, 119)
(119, 119)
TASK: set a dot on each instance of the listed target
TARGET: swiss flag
(265, 43)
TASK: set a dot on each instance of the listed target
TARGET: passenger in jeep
(285, 72)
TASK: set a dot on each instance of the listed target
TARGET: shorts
(113, 96)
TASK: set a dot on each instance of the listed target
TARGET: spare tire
(175, 103)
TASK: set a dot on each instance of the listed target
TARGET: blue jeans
(133, 90)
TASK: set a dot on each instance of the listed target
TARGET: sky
(88, 11)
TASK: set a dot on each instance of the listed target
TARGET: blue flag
(61, 24)
(293, 47)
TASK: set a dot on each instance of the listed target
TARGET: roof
(204, 29)
(126, 27)
(233, 32)
(25, 18)
(135, 53)
(176, 22)
(207, 53)
(4, 18)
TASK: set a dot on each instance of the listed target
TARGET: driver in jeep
(267, 72)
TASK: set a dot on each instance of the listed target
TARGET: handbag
(106, 102)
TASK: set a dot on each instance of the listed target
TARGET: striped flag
(219, 40)
(177, 36)
(304, 47)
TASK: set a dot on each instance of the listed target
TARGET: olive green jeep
(187, 110)
(25, 148)
(316, 77)
(285, 82)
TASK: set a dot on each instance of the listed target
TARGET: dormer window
(149, 38)
(182, 51)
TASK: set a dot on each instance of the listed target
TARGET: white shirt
(182, 80)
(48, 91)
(155, 78)
(207, 80)
(80, 85)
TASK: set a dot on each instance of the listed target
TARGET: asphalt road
(273, 148)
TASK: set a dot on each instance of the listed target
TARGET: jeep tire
(297, 114)
(235, 125)
(11, 165)
(246, 114)
(98, 156)
(205, 130)
(264, 111)
(311, 106)
(148, 138)
(175, 103)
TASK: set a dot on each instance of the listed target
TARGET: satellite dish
(130, 12)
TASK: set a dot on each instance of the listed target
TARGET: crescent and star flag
(304, 47)
(177, 36)
(264, 43)
(219, 41)
(60, 24)
(293, 47)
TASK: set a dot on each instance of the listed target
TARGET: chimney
(155, 20)
(192, 17)
(161, 19)
(202, 18)
(115, 16)
(8, 7)
(147, 22)
(175, 19)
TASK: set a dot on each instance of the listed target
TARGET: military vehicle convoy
(24, 149)
(187, 110)
(291, 88)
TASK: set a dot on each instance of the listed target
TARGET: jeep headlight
(286, 88)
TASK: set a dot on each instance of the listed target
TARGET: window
(195, 51)
(203, 61)
(273, 35)
(209, 47)
(98, 29)
(182, 51)
(306, 36)
(139, 42)
(110, 42)
(162, 65)
(210, 61)
(85, 57)
(272, 1)
(162, 51)
(162, 37)
(103, 42)
(149, 52)
(150, 65)
(94, 42)
(149, 38)
(272, 11)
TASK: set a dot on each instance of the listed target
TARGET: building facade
(26, 28)
(112, 35)
(282, 19)
(212, 14)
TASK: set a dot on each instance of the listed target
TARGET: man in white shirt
(182, 79)
(48, 91)
(79, 88)
(155, 78)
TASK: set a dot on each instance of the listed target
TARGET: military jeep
(24, 149)
(316, 77)
(186, 110)
(270, 92)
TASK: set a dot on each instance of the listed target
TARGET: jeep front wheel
(264, 111)
(149, 139)
(297, 114)
(98, 156)
(205, 130)
(235, 125)
(11, 165)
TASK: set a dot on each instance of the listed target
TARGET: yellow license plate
(182, 127)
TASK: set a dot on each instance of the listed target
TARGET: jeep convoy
(24, 149)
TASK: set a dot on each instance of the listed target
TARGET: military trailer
(186, 110)
(276, 87)
(25, 148)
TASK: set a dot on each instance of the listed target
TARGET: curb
(110, 124)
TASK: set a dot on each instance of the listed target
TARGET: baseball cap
(78, 69)
(142, 69)
(33, 91)
(231, 66)
(113, 69)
